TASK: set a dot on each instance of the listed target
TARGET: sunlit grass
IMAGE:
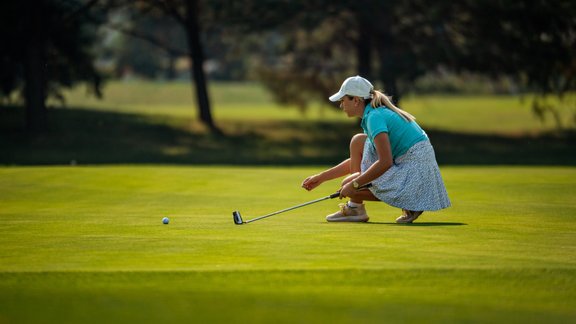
(87, 244)
(85, 240)
(251, 101)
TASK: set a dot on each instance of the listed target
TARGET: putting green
(87, 244)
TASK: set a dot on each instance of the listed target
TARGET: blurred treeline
(301, 50)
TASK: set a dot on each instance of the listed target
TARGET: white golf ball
(165, 220)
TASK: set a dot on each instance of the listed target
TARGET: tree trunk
(34, 52)
(388, 72)
(364, 49)
(197, 71)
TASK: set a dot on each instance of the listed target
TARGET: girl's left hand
(347, 190)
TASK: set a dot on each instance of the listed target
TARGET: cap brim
(337, 96)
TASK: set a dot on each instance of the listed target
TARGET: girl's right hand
(311, 182)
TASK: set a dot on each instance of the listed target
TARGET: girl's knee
(350, 178)
(357, 142)
(356, 150)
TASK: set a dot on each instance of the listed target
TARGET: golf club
(238, 218)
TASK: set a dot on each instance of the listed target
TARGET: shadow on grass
(79, 136)
(419, 224)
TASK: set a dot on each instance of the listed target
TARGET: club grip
(337, 193)
(366, 186)
(334, 195)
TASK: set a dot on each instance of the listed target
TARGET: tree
(300, 52)
(395, 42)
(324, 41)
(187, 14)
(47, 47)
(148, 47)
(534, 42)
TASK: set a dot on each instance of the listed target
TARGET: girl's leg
(356, 151)
(348, 213)
(362, 195)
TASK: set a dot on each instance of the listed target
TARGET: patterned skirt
(413, 182)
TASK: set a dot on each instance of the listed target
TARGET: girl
(393, 154)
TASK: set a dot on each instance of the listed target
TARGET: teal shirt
(401, 133)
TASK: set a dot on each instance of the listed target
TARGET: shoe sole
(407, 221)
(351, 219)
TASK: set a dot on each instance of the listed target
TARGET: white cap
(355, 86)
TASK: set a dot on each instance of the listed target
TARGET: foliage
(66, 37)
(301, 49)
(533, 40)
(136, 56)
(302, 71)
(444, 82)
(530, 41)
(304, 48)
(395, 42)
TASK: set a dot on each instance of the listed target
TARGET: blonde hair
(379, 99)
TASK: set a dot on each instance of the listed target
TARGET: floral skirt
(413, 182)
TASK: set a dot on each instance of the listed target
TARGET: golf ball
(165, 220)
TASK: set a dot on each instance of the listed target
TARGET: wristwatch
(355, 184)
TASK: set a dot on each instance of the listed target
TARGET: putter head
(237, 218)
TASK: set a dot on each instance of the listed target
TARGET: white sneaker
(349, 214)
(408, 216)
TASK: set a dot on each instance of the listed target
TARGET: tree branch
(81, 10)
(169, 8)
(152, 40)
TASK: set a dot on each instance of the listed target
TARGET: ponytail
(379, 99)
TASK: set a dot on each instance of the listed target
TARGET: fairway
(87, 244)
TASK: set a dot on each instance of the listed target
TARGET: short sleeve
(375, 125)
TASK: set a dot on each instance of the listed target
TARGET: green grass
(250, 101)
(86, 244)
(146, 122)
(230, 101)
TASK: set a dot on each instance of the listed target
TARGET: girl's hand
(311, 182)
(347, 190)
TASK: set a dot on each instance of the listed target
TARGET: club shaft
(287, 209)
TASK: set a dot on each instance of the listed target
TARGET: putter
(239, 221)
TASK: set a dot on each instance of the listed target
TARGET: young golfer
(393, 154)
